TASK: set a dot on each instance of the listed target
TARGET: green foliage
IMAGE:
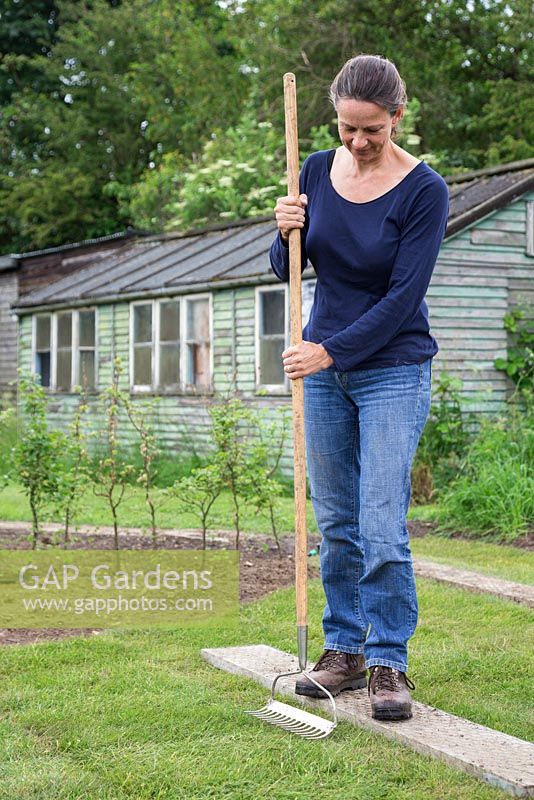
(196, 493)
(8, 440)
(117, 88)
(444, 441)
(239, 174)
(246, 457)
(148, 451)
(229, 419)
(113, 473)
(494, 493)
(321, 138)
(73, 471)
(263, 490)
(519, 361)
(108, 105)
(37, 453)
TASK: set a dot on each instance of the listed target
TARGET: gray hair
(374, 79)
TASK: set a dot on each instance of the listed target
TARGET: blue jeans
(362, 431)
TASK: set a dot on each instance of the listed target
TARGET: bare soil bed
(263, 568)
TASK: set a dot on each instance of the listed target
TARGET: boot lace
(388, 679)
(329, 659)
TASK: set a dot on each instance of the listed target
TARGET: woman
(372, 219)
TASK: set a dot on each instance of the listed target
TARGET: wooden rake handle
(297, 384)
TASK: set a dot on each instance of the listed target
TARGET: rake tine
(294, 720)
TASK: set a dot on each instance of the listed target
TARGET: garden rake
(293, 719)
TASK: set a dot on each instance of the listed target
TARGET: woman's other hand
(289, 213)
(305, 359)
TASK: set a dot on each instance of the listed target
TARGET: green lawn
(502, 561)
(133, 512)
(139, 715)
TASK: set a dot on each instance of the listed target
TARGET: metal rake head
(295, 720)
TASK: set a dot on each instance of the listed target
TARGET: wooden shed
(192, 315)
(22, 273)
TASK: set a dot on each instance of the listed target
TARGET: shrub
(444, 441)
(37, 453)
(8, 440)
(519, 361)
(72, 473)
(494, 494)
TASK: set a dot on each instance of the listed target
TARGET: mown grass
(133, 511)
(140, 715)
(502, 561)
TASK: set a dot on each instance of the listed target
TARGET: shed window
(197, 343)
(86, 376)
(272, 336)
(169, 343)
(64, 351)
(43, 348)
(142, 344)
(273, 333)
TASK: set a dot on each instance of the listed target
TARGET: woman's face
(365, 128)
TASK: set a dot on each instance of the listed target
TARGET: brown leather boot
(336, 671)
(388, 691)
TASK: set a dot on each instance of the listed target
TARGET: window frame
(51, 346)
(156, 387)
(271, 388)
(142, 387)
(191, 388)
(529, 249)
(75, 319)
(76, 347)
(274, 388)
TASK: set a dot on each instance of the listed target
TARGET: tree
(121, 86)
(73, 471)
(37, 452)
(198, 492)
(240, 173)
(112, 474)
(149, 451)
(230, 418)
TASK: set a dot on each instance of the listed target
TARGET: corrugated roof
(168, 264)
(237, 253)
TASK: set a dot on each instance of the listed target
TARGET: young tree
(198, 492)
(263, 461)
(148, 451)
(73, 472)
(38, 451)
(230, 419)
(112, 474)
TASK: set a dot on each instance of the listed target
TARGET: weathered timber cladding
(475, 283)
(8, 333)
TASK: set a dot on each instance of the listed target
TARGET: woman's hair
(374, 79)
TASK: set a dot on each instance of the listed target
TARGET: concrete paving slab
(501, 760)
(475, 582)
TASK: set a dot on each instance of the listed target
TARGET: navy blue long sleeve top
(373, 263)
